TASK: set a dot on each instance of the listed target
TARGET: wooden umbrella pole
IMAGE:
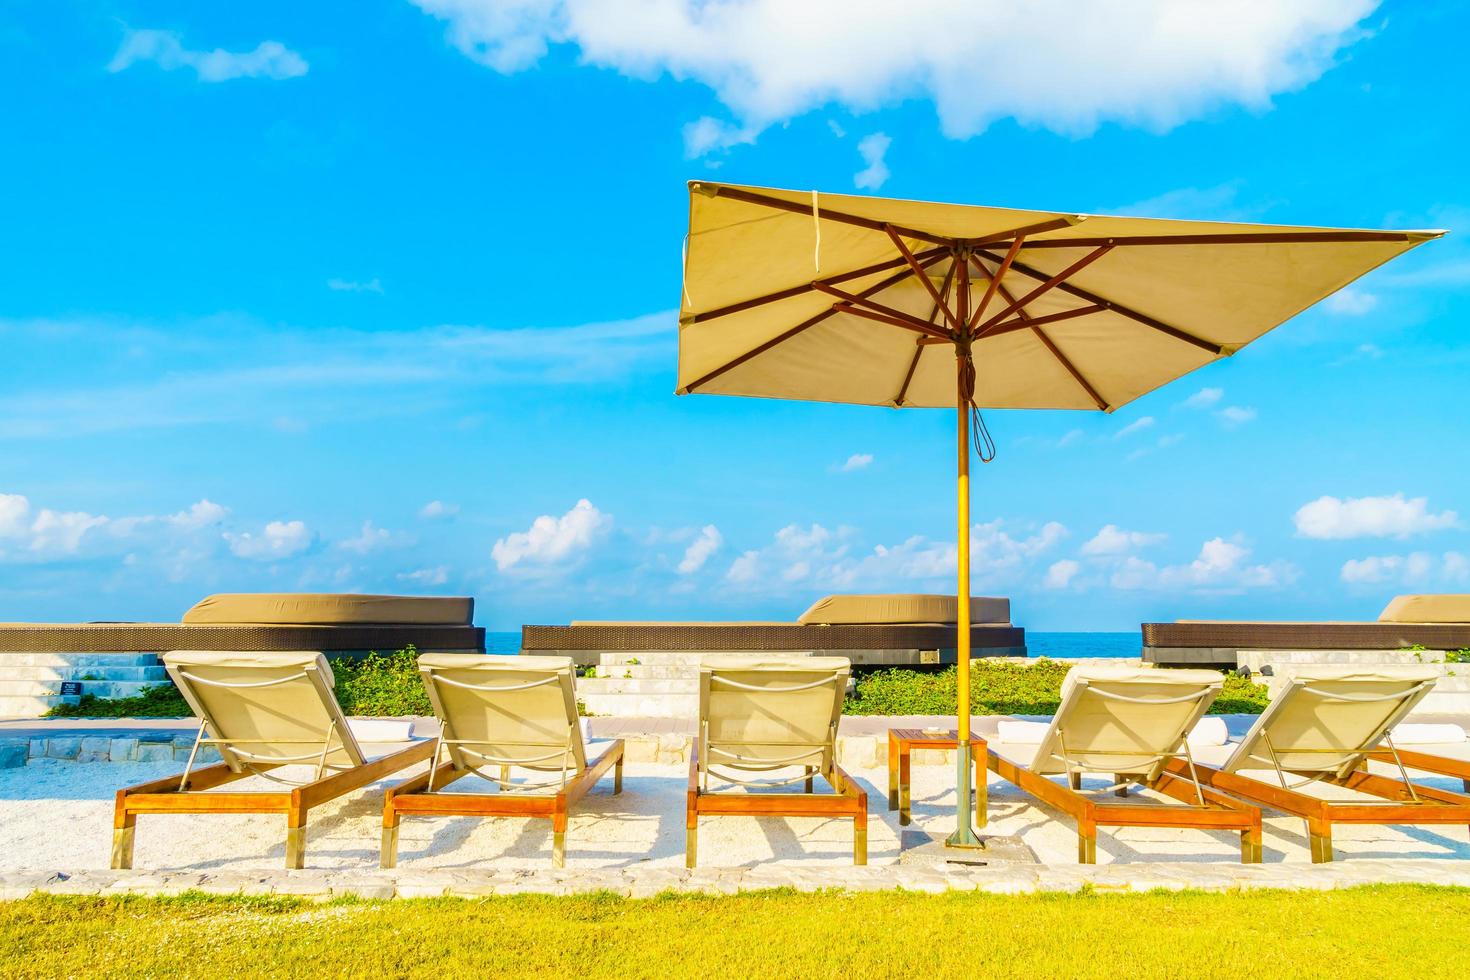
(963, 835)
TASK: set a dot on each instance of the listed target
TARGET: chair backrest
(1327, 718)
(762, 712)
(506, 710)
(1127, 720)
(268, 708)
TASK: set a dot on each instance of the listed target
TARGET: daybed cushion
(325, 609)
(1427, 609)
(891, 609)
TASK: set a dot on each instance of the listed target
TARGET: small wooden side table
(902, 741)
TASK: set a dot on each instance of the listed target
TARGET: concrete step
(641, 705)
(617, 685)
(41, 689)
(8, 660)
(152, 675)
(1256, 659)
(645, 671)
(672, 658)
(28, 707)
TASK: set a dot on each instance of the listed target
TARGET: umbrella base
(916, 847)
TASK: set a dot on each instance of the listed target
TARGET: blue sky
(379, 296)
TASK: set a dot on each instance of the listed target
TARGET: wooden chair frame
(1203, 809)
(1440, 765)
(189, 793)
(1404, 802)
(423, 796)
(847, 799)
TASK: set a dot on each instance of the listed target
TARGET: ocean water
(1037, 644)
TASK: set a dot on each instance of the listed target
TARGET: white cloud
(857, 461)
(1067, 67)
(830, 558)
(1138, 425)
(278, 539)
(1204, 398)
(1409, 568)
(700, 550)
(708, 135)
(1370, 517)
(1219, 203)
(436, 509)
(1070, 437)
(1113, 540)
(1060, 574)
(57, 532)
(872, 148)
(1350, 302)
(320, 373)
(552, 541)
(1456, 566)
(372, 538)
(14, 514)
(202, 514)
(269, 59)
(373, 285)
(1221, 566)
(437, 575)
(1235, 415)
(745, 568)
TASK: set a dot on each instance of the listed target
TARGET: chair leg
(389, 855)
(125, 829)
(982, 793)
(618, 775)
(559, 832)
(809, 784)
(691, 841)
(1074, 778)
(1250, 846)
(905, 784)
(1086, 843)
(1321, 845)
(892, 772)
(860, 840)
(296, 838)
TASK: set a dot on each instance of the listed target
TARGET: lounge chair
(1131, 724)
(1324, 726)
(765, 715)
(261, 711)
(511, 712)
(1440, 750)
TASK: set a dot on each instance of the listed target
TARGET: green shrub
(158, 701)
(382, 684)
(1003, 689)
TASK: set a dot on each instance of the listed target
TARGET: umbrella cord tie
(984, 444)
(979, 432)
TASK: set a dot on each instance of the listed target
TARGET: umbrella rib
(1067, 363)
(919, 342)
(809, 286)
(788, 334)
(995, 281)
(1238, 238)
(1024, 322)
(895, 319)
(923, 278)
(1120, 309)
(1047, 285)
(827, 214)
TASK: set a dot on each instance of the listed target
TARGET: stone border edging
(648, 882)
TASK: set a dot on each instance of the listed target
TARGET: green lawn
(1380, 931)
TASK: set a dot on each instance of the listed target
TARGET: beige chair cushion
(769, 726)
(836, 610)
(312, 609)
(536, 724)
(1093, 730)
(272, 722)
(1427, 609)
(1310, 730)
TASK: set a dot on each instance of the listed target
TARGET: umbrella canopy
(871, 301)
(791, 294)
